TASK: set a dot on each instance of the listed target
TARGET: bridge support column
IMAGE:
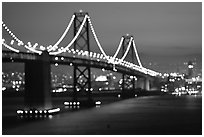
(140, 83)
(147, 84)
(143, 83)
(38, 83)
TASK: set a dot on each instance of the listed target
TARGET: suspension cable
(137, 56)
(120, 44)
(128, 48)
(63, 35)
(125, 54)
(9, 47)
(35, 45)
(33, 50)
(95, 37)
(10, 32)
(18, 40)
(75, 37)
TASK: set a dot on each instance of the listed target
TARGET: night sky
(166, 34)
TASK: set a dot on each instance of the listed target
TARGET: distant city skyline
(167, 34)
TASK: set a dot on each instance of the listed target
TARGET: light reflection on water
(72, 107)
(154, 110)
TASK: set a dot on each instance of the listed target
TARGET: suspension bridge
(77, 53)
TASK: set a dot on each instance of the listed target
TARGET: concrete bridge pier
(143, 83)
(147, 84)
(140, 83)
(38, 83)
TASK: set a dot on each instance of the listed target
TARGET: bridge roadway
(9, 56)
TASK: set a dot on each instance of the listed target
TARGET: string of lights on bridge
(55, 50)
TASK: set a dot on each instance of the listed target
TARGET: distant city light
(101, 78)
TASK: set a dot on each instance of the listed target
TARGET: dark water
(149, 115)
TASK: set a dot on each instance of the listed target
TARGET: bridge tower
(144, 83)
(82, 75)
(128, 80)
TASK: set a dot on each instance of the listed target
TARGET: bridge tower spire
(128, 80)
(82, 75)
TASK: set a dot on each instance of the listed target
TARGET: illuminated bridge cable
(32, 49)
(124, 55)
(95, 37)
(9, 47)
(152, 72)
(53, 48)
(10, 32)
(75, 37)
(35, 45)
(120, 44)
(127, 50)
(63, 35)
(18, 40)
(116, 53)
(137, 56)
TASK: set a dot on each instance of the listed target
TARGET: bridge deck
(8, 56)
